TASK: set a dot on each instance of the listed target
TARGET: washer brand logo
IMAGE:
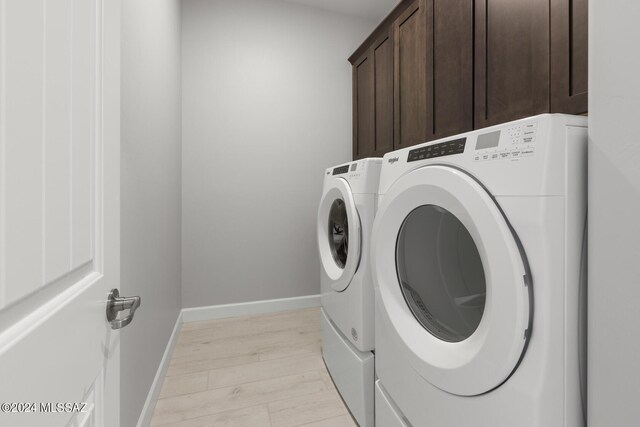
(393, 160)
(328, 172)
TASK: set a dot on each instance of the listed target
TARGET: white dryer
(345, 218)
(477, 257)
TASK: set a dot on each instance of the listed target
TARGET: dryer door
(339, 235)
(452, 280)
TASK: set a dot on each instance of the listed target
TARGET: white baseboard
(154, 391)
(215, 312)
(249, 308)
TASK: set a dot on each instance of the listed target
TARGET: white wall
(151, 169)
(614, 213)
(266, 108)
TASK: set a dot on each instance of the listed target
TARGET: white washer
(345, 218)
(477, 260)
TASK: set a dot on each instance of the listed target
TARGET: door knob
(116, 304)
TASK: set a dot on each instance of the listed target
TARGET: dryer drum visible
(440, 273)
(457, 295)
(339, 232)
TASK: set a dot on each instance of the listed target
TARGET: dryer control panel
(447, 148)
(340, 170)
(510, 143)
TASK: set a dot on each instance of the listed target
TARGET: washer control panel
(351, 170)
(511, 143)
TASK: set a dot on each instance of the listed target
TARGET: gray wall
(614, 213)
(151, 169)
(266, 108)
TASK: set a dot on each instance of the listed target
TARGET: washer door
(339, 235)
(452, 279)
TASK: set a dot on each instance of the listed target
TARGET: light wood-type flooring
(253, 371)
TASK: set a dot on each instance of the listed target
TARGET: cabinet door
(413, 114)
(363, 107)
(373, 100)
(382, 54)
(512, 60)
(450, 66)
(569, 65)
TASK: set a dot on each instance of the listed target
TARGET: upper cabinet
(435, 68)
(382, 53)
(420, 70)
(512, 60)
(569, 65)
(450, 65)
(363, 107)
(410, 101)
(373, 99)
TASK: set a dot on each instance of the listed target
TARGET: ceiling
(373, 10)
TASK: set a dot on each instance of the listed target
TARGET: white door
(452, 279)
(59, 211)
(339, 234)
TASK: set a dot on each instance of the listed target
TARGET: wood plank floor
(253, 371)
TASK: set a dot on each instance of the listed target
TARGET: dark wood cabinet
(421, 71)
(382, 54)
(450, 65)
(569, 56)
(363, 107)
(373, 100)
(530, 58)
(512, 60)
(436, 68)
(411, 113)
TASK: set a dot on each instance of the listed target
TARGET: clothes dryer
(477, 256)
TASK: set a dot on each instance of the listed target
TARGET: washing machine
(477, 257)
(345, 218)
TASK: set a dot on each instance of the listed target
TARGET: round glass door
(451, 281)
(339, 235)
(440, 273)
(339, 232)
